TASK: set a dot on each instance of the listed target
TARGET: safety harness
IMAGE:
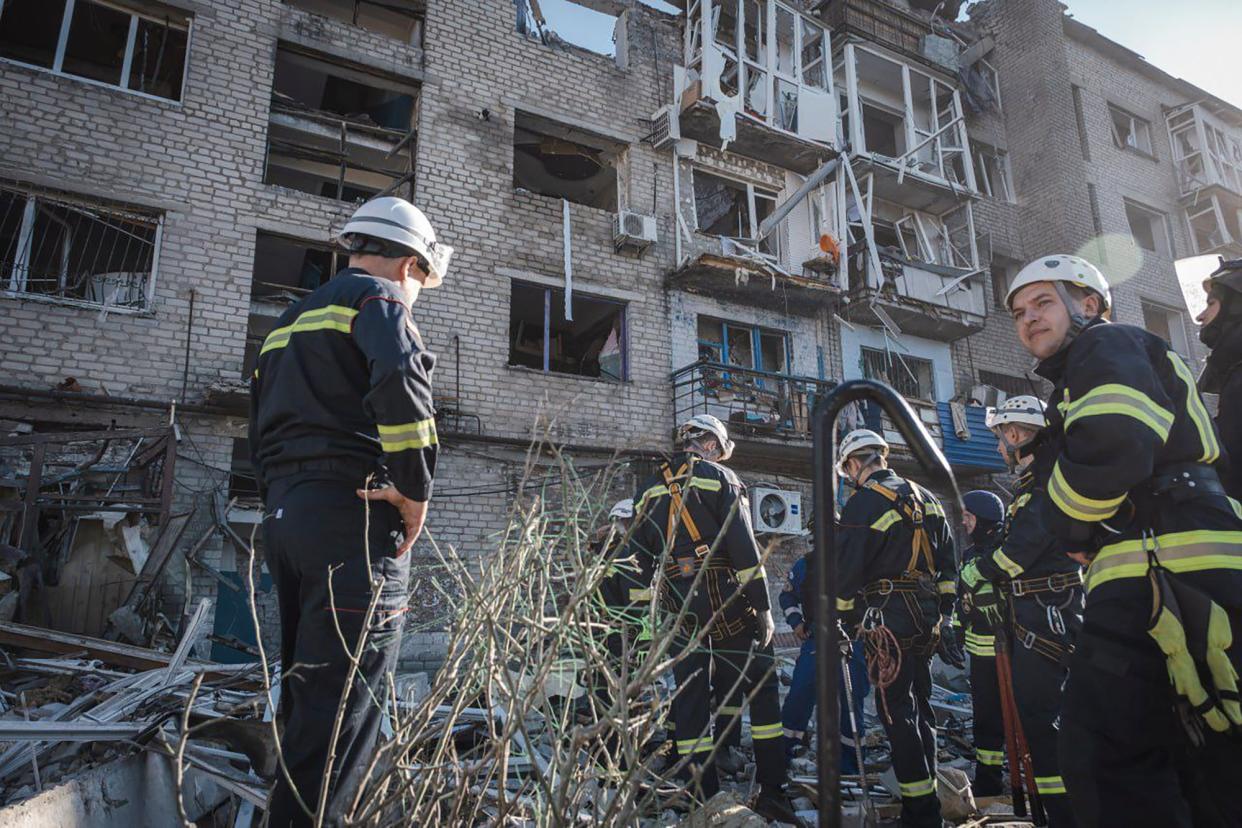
(683, 566)
(912, 508)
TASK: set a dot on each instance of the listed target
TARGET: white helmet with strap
(706, 423)
(1062, 269)
(398, 223)
(1023, 409)
(857, 441)
(622, 509)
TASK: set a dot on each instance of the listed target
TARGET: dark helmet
(984, 505)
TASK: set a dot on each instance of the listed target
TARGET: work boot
(730, 761)
(773, 804)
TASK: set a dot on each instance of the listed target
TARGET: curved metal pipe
(827, 643)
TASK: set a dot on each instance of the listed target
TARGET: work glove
(767, 628)
(986, 603)
(950, 646)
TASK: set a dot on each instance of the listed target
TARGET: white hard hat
(622, 509)
(1023, 410)
(700, 423)
(856, 441)
(1072, 270)
(398, 221)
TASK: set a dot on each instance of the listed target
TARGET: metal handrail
(754, 392)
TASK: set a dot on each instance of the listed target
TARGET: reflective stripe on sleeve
(946, 587)
(703, 744)
(1049, 785)
(755, 573)
(844, 605)
(923, 787)
(1198, 412)
(1192, 551)
(416, 435)
(639, 594)
(330, 318)
(765, 731)
(993, 758)
(1114, 398)
(886, 520)
(1079, 506)
(1012, 568)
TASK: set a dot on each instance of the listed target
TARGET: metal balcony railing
(752, 403)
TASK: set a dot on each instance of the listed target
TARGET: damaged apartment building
(720, 206)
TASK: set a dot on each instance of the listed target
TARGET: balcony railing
(923, 299)
(752, 403)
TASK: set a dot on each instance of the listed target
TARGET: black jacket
(716, 503)
(874, 541)
(1223, 376)
(344, 378)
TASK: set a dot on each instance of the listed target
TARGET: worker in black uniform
(1221, 330)
(1150, 714)
(897, 571)
(1037, 591)
(718, 598)
(983, 516)
(343, 439)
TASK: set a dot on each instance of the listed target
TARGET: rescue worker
(1037, 592)
(1150, 712)
(983, 517)
(1221, 330)
(800, 701)
(719, 599)
(896, 570)
(343, 438)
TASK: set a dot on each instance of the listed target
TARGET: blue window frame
(746, 346)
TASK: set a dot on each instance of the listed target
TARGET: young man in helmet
(719, 599)
(1221, 330)
(983, 517)
(896, 569)
(343, 439)
(1033, 591)
(1150, 713)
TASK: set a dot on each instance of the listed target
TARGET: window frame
(1169, 314)
(755, 334)
(127, 62)
(1159, 219)
(773, 195)
(894, 359)
(1150, 151)
(546, 370)
(999, 158)
(13, 285)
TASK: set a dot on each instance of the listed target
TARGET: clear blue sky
(1198, 40)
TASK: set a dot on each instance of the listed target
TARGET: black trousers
(323, 553)
(988, 727)
(737, 657)
(1037, 683)
(911, 728)
(1124, 756)
(728, 700)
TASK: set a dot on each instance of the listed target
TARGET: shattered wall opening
(77, 249)
(140, 46)
(400, 21)
(592, 344)
(733, 209)
(339, 131)
(583, 25)
(562, 162)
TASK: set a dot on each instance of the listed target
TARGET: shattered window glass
(29, 31)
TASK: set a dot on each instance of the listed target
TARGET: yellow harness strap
(685, 566)
(912, 508)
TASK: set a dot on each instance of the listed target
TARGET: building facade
(731, 207)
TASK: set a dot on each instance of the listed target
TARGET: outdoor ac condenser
(775, 511)
(634, 231)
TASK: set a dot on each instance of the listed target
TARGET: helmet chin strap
(1013, 451)
(1078, 320)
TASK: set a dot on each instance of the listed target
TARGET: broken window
(77, 249)
(745, 346)
(992, 171)
(1166, 323)
(1212, 224)
(909, 376)
(592, 344)
(140, 47)
(291, 268)
(733, 209)
(1130, 131)
(1148, 228)
(912, 238)
(337, 131)
(565, 21)
(553, 160)
(883, 132)
(1002, 272)
(399, 19)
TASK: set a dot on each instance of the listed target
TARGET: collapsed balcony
(758, 79)
(919, 298)
(1207, 152)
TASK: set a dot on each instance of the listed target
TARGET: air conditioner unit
(634, 231)
(665, 128)
(987, 395)
(776, 512)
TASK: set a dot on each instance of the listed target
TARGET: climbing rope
(883, 655)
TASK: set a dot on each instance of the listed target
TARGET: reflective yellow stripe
(728, 710)
(1192, 551)
(1021, 501)
(1077, 506)
(640, 594)
(923, 787)
(946, 587)
(654, 491)
(931, 507)
(755, 572)
(886, 520)
(844, 605)
(765, 731)
(1011, 567)
(405, 436)
(1198, 412)
(704, 483)
(703, 744)
(995, 758)
(1114, 398)
(330, 318)
(1050, 784)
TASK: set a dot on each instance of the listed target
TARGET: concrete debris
(724, 810)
